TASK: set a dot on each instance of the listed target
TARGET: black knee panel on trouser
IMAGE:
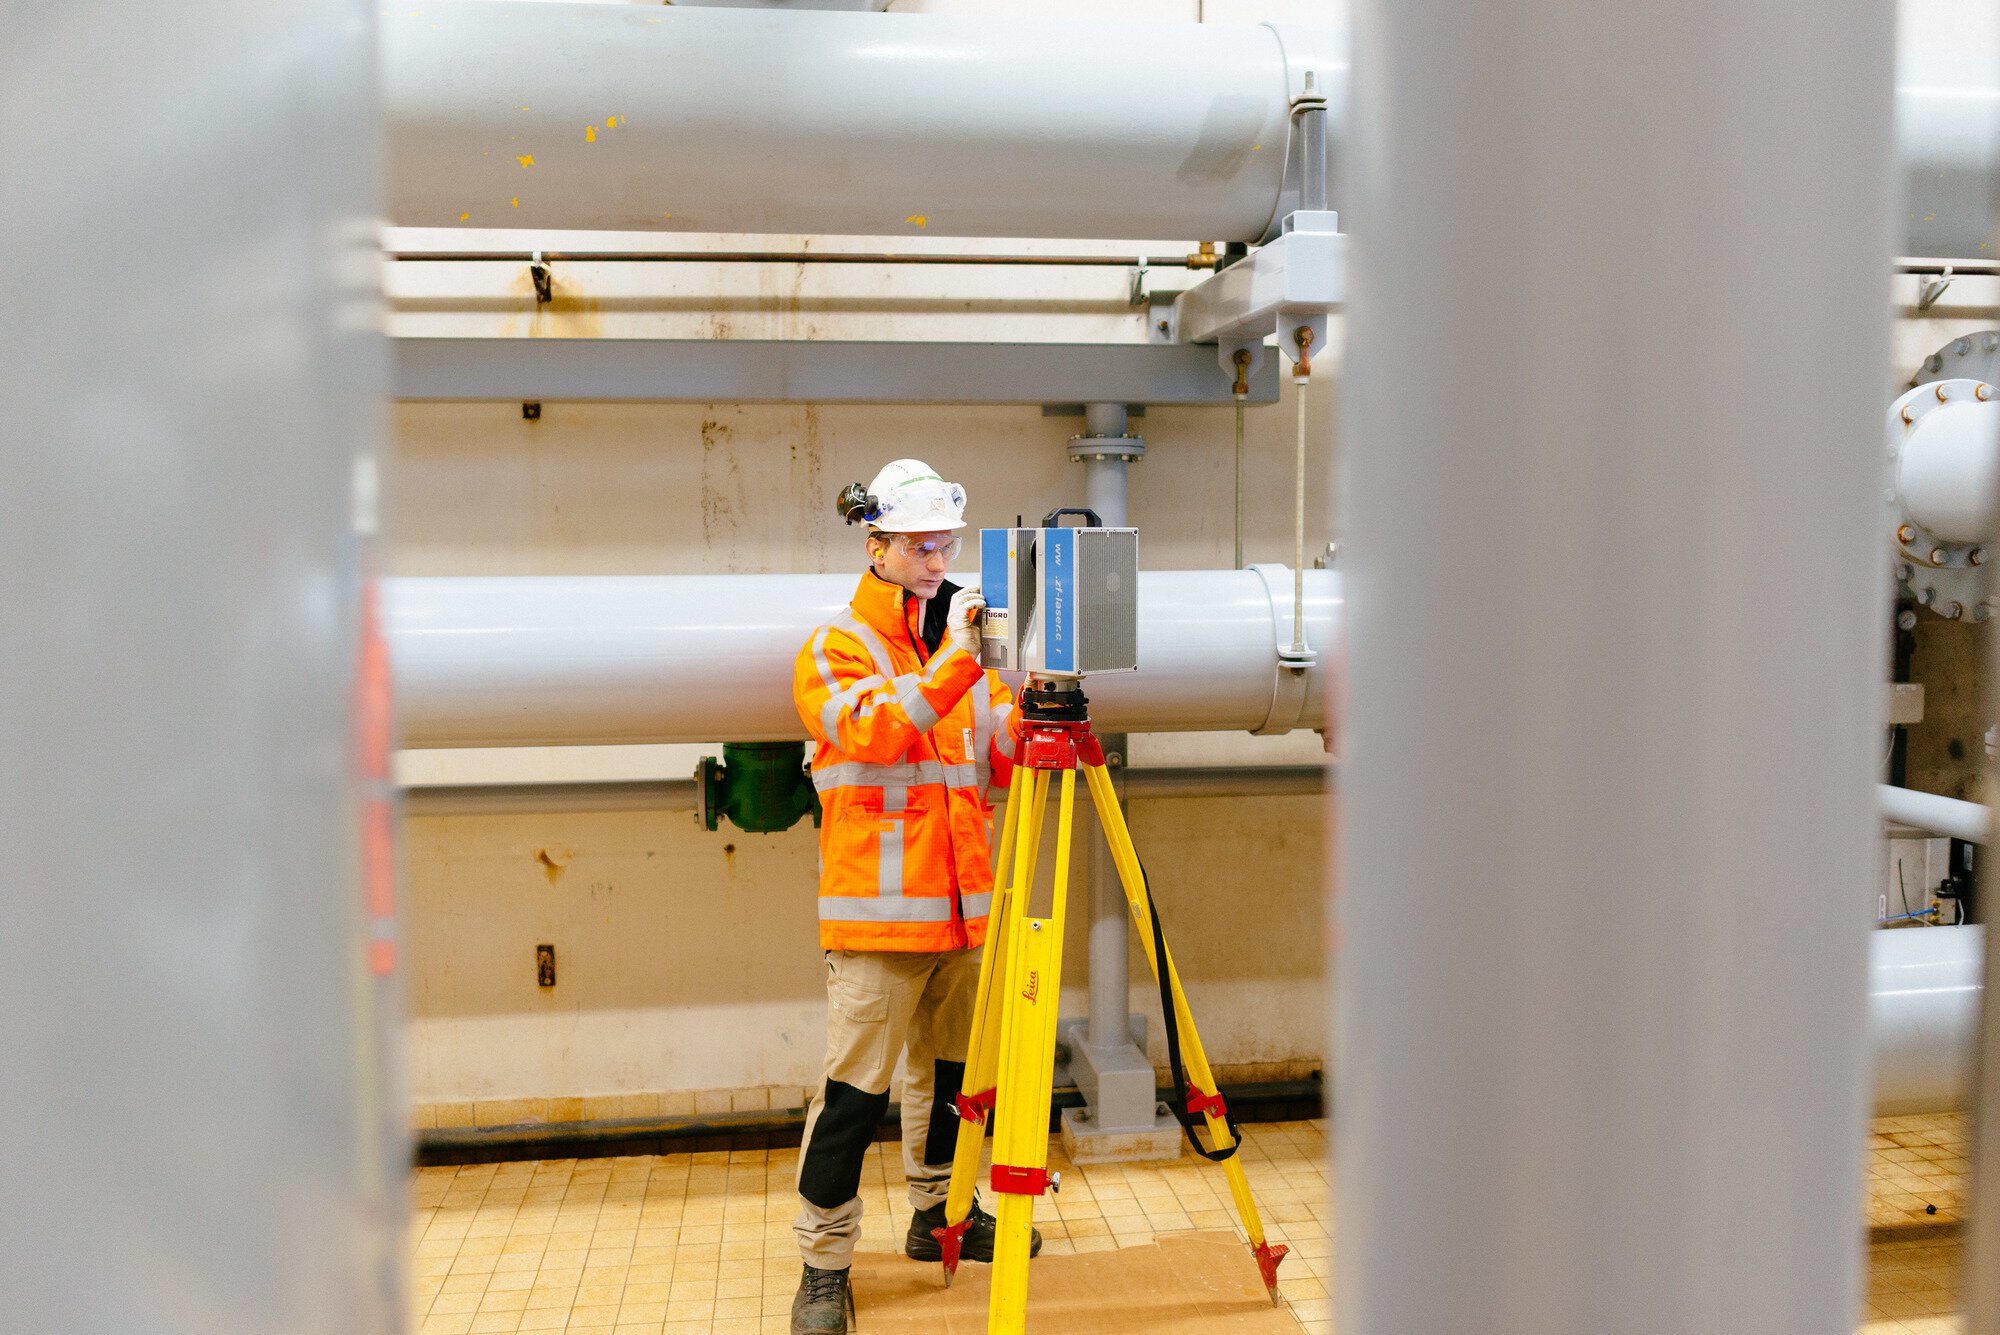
(941, 1141)
(830, 1174)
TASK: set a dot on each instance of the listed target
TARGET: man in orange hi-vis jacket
(914, 741)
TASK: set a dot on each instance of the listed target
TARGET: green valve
(763, 787)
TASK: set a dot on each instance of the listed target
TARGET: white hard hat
(908, 497)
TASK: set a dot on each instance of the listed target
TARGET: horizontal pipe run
(507, 799)
(688, 119)
(1228, 781)
(493, 799)
(1278, 1100)
(577, 660)
(1923, 997)
(1957, 268)
(1945, 816)
(1929, 268)
(1941, 815)
(793, 257)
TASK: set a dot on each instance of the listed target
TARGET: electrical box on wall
(1060, 602)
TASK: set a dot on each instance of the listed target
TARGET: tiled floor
(1916, 1165)
(703, 1243)
(680, 1244)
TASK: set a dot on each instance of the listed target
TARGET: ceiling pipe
(554, 660)
(1948, 126)
(743, 121)
(507, 114)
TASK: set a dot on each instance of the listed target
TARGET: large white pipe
(1948, 126)
(1923, 1016)
(1940, 815)
(741, 120)
(733, 120)
(1577, 1077)
(538, 660)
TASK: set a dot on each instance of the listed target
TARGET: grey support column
(1107, 1053)
(200, 1087)
(1616, 576)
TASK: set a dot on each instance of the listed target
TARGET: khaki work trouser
(882, 1005)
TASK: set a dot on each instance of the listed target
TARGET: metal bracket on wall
(1930, 289)
(1298, 279)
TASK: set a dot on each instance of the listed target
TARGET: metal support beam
(784, 371)
(1602, 1061)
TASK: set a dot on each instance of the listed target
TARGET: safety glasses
(929, 547)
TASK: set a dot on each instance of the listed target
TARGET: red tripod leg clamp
(1267, 1262)
(1199, 1103)
(974, 1107)
(1019, 1181)
(951, 1242)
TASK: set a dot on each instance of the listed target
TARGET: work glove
(961, 624)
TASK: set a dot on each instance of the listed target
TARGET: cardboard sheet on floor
(1186, 1283)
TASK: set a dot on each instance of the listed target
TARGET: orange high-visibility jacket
(909, 745)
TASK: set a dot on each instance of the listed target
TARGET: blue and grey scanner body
(1060, 602)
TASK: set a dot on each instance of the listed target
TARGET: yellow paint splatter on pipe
(514, 203)
(590, 134)
(612, 123)
(463, 216)
(918, 220)
(526, 159)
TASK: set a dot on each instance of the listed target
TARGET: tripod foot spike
(951, 1242)
(1268, 1258)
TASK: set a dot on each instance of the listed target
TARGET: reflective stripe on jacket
(908, 745)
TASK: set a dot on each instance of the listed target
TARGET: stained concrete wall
(688, 972)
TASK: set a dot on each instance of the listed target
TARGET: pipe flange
(1126, 449)
(1931, 569)
(1973, 357)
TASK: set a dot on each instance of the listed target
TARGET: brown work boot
(820, 1306)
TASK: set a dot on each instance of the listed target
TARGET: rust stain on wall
(808, 458)
(573, 314)
(553, 862)
(725, 504)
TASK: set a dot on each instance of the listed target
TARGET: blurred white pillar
(203, 1133)
(1618, 345)
(1982, 1259)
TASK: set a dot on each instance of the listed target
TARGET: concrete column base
(1085, 1144)
(1123, 1122)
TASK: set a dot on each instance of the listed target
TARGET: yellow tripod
(1009, 1064)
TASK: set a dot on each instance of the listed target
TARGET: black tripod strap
(1190, 1122)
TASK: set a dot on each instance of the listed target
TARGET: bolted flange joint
(1127, 449)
